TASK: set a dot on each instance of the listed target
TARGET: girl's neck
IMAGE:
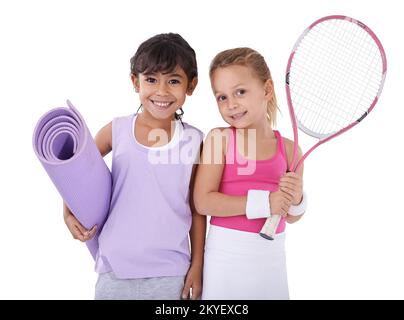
(262, 129)
(147, 119)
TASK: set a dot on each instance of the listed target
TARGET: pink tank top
(266, 177)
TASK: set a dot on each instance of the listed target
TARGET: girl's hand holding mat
(77, 230)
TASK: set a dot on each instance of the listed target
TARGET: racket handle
(269, 229)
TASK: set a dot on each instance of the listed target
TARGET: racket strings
(329, 94)
(330, 60)
(335, 75)
(333, 84)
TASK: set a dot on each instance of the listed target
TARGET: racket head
(334, 77)
(314, 96)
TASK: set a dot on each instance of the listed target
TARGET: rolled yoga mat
(64, 146)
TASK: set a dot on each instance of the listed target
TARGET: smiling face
(240, 95)
(162, 94)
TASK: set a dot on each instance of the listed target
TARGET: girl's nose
(162, 88)
(232, 103)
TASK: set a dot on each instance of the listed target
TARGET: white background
(350, 243)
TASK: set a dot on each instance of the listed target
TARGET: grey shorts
(109, 287)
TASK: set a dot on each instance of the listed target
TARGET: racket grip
(269, 229)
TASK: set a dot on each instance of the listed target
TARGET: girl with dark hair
(144, 245)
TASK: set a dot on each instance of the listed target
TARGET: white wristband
(258, 204)
(300, 208)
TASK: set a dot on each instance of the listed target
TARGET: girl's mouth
(239, 115)
(163, 105)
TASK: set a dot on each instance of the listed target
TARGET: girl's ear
(191, 86)
(269, 89)
(135, 81)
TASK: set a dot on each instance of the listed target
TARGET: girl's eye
(174, 81)
(150, 80)
(221, 98)
(240, 92)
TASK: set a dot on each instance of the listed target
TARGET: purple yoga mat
(64, 146)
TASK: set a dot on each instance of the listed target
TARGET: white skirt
(244, 266)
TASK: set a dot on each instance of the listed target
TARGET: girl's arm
(292, 182)
(208, 199)
(197, 236)
(103, 141)
(198, 227)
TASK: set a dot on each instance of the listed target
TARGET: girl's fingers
(285, 208)
(295, 195)
(290, 184)
(291, 179)
(284, 212)
(289, 191)
(196, 292)
(292, 175)
(287, 196)
(93, 230)
(77, 234)
(83, 230)
(185, 291)
(91, 233)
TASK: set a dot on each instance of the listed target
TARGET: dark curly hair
(162, 53)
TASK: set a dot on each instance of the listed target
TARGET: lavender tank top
(146, 233)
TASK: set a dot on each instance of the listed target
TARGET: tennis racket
(334, 78)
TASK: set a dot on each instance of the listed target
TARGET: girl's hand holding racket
(279, 202)
(292, 183)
